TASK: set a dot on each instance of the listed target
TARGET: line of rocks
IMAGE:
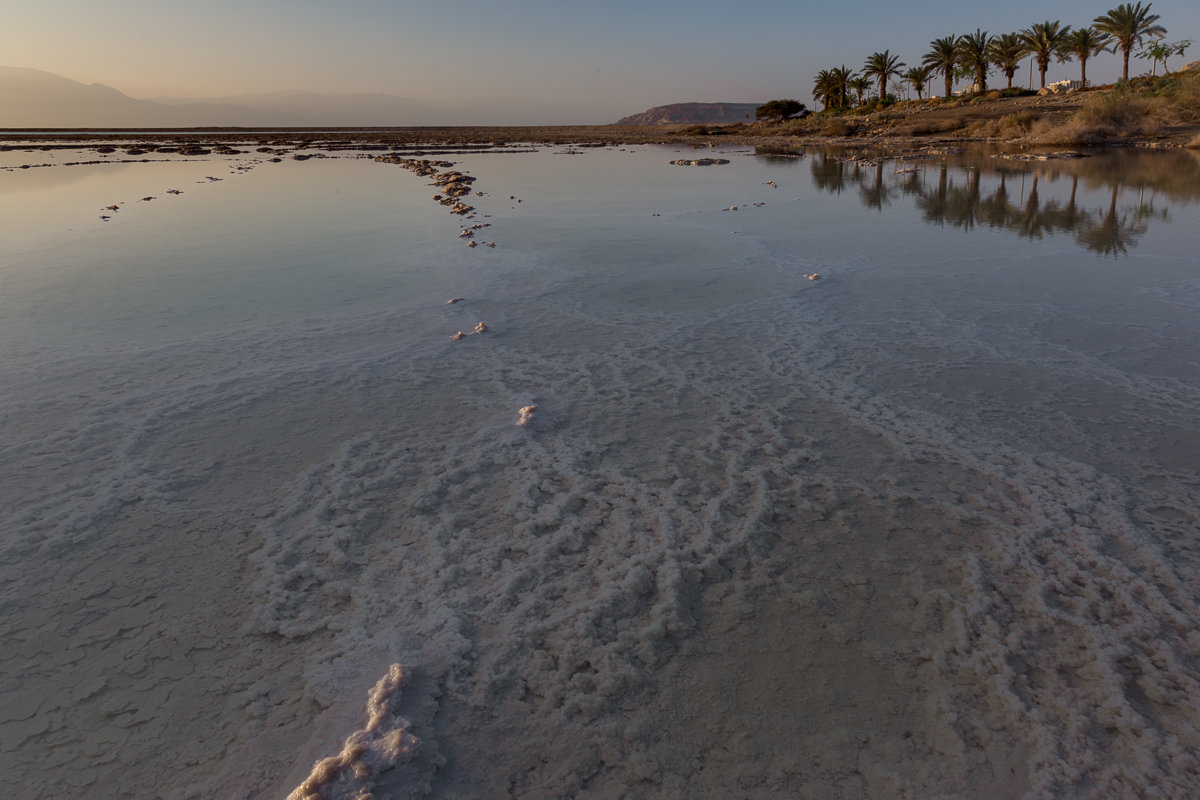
(453, 184)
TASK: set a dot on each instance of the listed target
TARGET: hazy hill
(319, 108)
(381, 110)
(693, 114)
(31, 98)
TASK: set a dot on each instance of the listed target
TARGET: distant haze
(36, 99)
(527, 61)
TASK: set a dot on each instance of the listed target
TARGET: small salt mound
(377, 748)
(525, 415)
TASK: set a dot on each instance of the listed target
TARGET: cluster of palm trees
(974, 54)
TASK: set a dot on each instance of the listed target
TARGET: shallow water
(923, 527)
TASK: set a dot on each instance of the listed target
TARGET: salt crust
(382, 744)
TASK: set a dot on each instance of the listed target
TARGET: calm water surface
(923, 527)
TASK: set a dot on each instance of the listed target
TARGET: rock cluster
(1056, 156)
(454, 184)
(699, 162)
(1061, 87)
(418, 166)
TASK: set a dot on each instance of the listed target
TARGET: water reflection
(1105, 202)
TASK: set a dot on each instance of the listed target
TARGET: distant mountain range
(693, 114)
(31, 98)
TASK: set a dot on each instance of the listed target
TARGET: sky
(591, 62)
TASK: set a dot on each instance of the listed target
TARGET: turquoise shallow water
(924, 526)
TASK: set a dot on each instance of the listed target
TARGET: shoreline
(1147, 112)
(903, 126)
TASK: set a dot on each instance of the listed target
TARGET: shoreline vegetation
(1161, 111)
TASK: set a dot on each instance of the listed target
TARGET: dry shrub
(1194, 144)
(1020, 123)
(794, 127)
(1107, 117)
(837, 127)
(928, 126)
(1177, 100)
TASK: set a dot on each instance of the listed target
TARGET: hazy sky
(595, 61)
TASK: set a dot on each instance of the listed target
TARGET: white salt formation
(384, 742)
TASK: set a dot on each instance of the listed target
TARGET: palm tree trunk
(1082, 72)
(1125, 71)
(949, 86)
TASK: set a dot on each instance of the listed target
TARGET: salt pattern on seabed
(721, 554)
(552, 574)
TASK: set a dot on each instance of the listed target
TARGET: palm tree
(841, 77)
(943, 57)
(1083, 43)
(1129, 25)
(973, 51)
(918, 77)
(860, 84)
(823, 90)
(882, 66)
(831, 87)
(1045, 39)
(1006, 53)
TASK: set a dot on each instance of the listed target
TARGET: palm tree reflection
(875, 194)
(1114, 233)
(975, 189)
(828, 173)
